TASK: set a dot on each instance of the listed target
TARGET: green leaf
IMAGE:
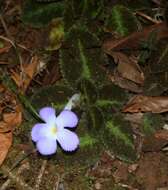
(156, 80)
(119, 138)
(40, 14)
(152, 123)
(110, 96)
(77, 11)
(148, 46)
(122, 21)
(88, 90)
(56, 96)
(81, 57)
(88, 9)
(159, 56)
(95, 121)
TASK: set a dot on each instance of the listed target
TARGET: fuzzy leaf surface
(81, 57)
(40, 14)
(56, 95)
(152, 123)
(119, 138)
(89, 91)
(111, 95)
(122, 21)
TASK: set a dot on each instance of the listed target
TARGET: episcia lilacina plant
(101, 125)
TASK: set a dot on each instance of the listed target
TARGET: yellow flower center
(54, 130)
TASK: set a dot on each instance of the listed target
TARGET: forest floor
(25, 169)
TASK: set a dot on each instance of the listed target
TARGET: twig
(147, 17)
(20, 170)
(39, 178)
(158, 2)
(16, 179)
(5, 184)
(56, 186)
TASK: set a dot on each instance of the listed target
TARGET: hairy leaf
(156, 80)
(95, 121)
(81, 57)
(111, 95)
(159, 56)
(152, 123)
(39, 14)
(56, 96)
(77, 11)
(122, 21)
(119, 138)
(89, 91)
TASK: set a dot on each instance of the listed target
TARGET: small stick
(147, 17)
(17, 179)
(39, 178)
(20, 170)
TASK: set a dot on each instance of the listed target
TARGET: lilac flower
(46, 134)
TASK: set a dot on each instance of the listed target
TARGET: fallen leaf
(152, 171)
(162, 135)
(125, 83)
(142, 103)
(4, 127)
(134, 40)
(128, 67)
(10, 119)
(154, 143)
(5, 143)
(24, 78)
(13, 119)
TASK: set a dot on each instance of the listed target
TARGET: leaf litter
(129, 74)
(11, 115)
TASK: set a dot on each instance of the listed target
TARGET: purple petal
(68, 140)
(46, 146)
(39, 130)
(67, 119)
(48, 114)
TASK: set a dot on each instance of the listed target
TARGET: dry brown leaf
(5, 143)
(162, 134)
(4, 127)
(125, 83)
(13, 119)
(29, 70)
(128, 67)
(142, 103)
(9, 120)
(133, 41)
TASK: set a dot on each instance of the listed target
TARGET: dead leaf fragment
(142, 103)
(162, 134)
(133, 41)
(128, 67)
(24, 78)
(11, 117)
(125, 83)
(5, 143)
